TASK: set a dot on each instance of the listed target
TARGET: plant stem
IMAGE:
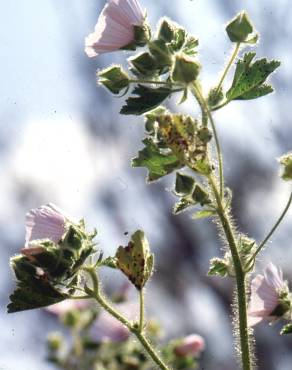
(97, 295)
(240, 277)
(233, 56)
(206, 111)
(142, 309)
(274, 228)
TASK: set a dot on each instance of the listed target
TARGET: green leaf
(179, 40)
(218, 267)
(184, 184)
(203, 214)
(287, 329)
(257, 92)
(191, 44)
(38, 294)
(249, 78)
(135, 260)
(158, 162)
(147, 99)
(33, 290)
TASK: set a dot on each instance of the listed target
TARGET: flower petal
(114, 28)
(274, 277)
(45, 222)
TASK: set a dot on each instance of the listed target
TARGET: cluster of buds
(122, 25)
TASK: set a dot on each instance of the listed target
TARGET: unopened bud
(239, 28)
(114, 78)
(191, 345)
(186, 69)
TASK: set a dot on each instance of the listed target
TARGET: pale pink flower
(107, 328)
(192, 345)
(115, 27)
(46, 222)
(265, 294)
(68, 305)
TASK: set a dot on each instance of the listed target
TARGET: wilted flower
(269, 296)
(192, 345)
(107, 328)
(115, 28)
(46, 222)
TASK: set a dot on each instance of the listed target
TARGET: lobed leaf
(147, 99)
(158, 162)
(249, 78)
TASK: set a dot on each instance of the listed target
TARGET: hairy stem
(207, 114)
(240, 278)
(133, 328)
(226, 223)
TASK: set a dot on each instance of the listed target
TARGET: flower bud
(142, 34)
(114, 78)
(166, 30)
(239, 28)
(191, 345)
(161, 53)
(286, 162)
(144, 63)
(185, 70)
(54, 341)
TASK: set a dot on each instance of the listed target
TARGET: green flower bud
(185, 70)
(142, 34)
(286, 162)
(215, 96)
(144, 63)
(161, 53)
(200, 196)
(71, 318)
(184, 184)
(166, 30)
(54, 341)
(239, 28)
(114, 78)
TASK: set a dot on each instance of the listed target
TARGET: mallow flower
(192, 345)
(44, 223)
(119, 26)
(269, 296)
